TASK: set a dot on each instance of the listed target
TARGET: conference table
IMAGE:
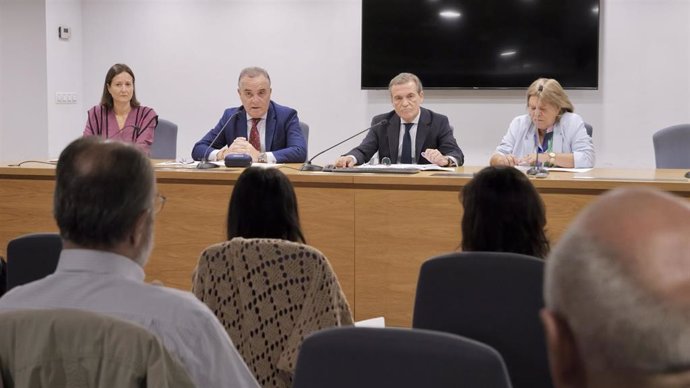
(375, 229)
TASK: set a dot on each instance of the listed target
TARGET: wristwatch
(552, 158)
(262, 158)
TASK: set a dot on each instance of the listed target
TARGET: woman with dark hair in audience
(120, 116)
(266, 286)
(263, 205)
(503, 213)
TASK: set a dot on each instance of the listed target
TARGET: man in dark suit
(268, 132)
(408, 134)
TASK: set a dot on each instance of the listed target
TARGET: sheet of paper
(373, 322)
(420, 167)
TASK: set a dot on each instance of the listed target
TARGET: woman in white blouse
(549, 128)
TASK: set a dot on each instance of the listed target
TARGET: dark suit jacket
(283, 134)
(433, 131)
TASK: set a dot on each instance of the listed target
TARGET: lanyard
(547, 144)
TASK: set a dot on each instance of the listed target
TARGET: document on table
(420, 167)
(562, 169)
(183, 163)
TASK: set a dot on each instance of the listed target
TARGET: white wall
(186, 55)
(64, 57)
(23, 112)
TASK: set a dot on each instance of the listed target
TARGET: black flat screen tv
(476, 44)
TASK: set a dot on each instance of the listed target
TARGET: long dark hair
(503, 213)
(263, 205)
(106, 98)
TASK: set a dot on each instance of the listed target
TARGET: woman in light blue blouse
(549, 128)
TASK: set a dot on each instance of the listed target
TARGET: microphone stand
(307, 166)
(537, 169)
(204, 163)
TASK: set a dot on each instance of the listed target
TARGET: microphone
(537, 170)
(205, 164)
(312, 167)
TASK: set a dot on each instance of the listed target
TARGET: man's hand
(436, 157)
(345, 161)
(242, 146)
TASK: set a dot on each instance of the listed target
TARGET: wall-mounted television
(475, 44)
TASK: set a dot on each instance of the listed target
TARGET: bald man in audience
(617, 293)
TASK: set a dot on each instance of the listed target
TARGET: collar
(99, 262)
(263, 118)
(415, 120)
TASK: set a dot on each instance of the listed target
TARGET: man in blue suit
(268, 132)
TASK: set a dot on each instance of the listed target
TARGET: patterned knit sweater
(269, 294)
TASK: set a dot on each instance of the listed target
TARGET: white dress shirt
(113, 285)
(413, 137)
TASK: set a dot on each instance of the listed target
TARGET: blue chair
(589, 129)
(305, 131)
(493, 298)
(672, 146)
(165, 140)
(373, 358)
(32, 257)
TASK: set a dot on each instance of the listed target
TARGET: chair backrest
(372, 358)
(3, 276)
(32, 257)
(491, 297)
(305, 131)
(672, 146)
(589, 129)
(269, 294)
(72, 348)
(165, 140)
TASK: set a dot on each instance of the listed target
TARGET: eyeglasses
(158, 203)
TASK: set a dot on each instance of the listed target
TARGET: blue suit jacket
(283, 134)
(433, 131)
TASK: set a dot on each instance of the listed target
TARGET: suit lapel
(240, 128)
(393, 137)
(270, 126)
(423, 129)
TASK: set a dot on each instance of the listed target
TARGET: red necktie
(254, 138)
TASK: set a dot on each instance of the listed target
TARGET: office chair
(395, 357)
(165, 140)
(269, 294)
(3, 276)
(73, 348)
(589, 129)
(672, 146)
(493, 298)
(305, 131)
(32, 257)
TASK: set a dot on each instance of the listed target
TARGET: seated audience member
(616, 292)
(106, 219)
(550, 127)
(120, 116)
(410, 133)
(503, 213)
(267, 287)
(268, 132)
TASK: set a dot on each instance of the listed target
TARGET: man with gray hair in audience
(617, 293)
(105, 203)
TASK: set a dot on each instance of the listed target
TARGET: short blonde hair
(550, 91)
(404, 78)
